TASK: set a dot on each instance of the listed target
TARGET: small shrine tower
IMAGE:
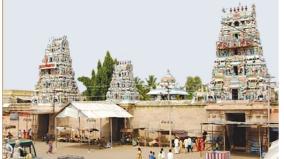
(56, 81)
(240, 71)
(122, 86)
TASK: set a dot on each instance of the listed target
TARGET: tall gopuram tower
(239, 72)
(122, 86)
(56, 81)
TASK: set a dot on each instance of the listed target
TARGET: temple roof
(168, 81)
(168, 78)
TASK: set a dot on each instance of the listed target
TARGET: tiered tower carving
(56, 77)
(240, 71)
(122, 86)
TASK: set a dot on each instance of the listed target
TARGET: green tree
(107, 71)
(141, 88)
(192, 85)
(151, 82)
(97, 85)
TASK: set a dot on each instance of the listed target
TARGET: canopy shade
(93, 110)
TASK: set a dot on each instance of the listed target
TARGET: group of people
(186, 143)
(21, 134)
(25, 134)
(161, 155)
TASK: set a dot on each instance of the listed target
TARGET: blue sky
(154, 35)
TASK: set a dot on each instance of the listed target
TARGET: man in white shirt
(176, 145)
(170, 154)
(189, 143)
(8, 150)
(163, 155)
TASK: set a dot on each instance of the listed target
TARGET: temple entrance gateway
(236, 133)
(43, 125)
(117, 125)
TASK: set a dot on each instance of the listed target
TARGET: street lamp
(170, 122)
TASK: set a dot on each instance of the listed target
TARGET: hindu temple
(56, 81)
(122, 86)
(168, 89)
(240, 71)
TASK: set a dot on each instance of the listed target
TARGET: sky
(155, 35)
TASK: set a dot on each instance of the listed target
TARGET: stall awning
(93, 110)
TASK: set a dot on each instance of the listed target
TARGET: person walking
(202, 144)
(163, 153)
(18, 150)
(153, 155)
(176, 142)
(180, 146)
(139, 153)
(150, 155)
(30, 133)
(50, 147)
(160, 155)
(189, 144)
(170, 155)
(8, 149)
(197, 142)
(9, 136)
(19, 134)
(185, 142)
(24, 134)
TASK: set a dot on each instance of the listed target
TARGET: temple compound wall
(156, 115)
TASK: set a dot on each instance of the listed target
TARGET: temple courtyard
(127, 151)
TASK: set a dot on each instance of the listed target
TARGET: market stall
(94, 110)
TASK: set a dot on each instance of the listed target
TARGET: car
(28, 147)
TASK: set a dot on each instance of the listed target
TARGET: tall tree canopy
(97, 85)
(141, 88)
(192, 85)
(151, 82)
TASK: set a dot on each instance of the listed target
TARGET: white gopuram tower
(56, 83)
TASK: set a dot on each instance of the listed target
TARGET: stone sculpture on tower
(240, 71)
(56, 83)
(122, 86)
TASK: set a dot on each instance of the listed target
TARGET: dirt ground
(116, 152)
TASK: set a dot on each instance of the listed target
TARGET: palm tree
(151, 82)
(141, 88)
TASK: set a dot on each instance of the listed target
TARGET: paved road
(117, 152)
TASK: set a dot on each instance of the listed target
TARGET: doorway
(117, 125)
(235, 70)
(236, 133)
(43, 124)
(235, 94)
(238, 117)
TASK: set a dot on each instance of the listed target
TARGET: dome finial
(168, 72)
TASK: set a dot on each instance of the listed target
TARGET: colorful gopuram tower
(56, 81)
(122, 86)
(240, 71)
